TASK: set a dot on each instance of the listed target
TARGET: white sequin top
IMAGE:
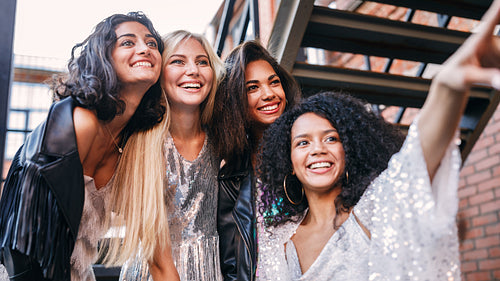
(91, 230)
(192, 208)
(412, 227)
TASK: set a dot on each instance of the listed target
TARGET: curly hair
(231, 124)
(368, 141)
(92, 80)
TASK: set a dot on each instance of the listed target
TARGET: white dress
(412, 226)
(91, 230)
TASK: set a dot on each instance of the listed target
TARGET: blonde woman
(190, 75)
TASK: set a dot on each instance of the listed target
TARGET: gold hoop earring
(288, 197)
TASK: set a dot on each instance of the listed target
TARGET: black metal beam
(378, 88)
(473, 9)
(343, 31)
(227, 15)
(7, 20)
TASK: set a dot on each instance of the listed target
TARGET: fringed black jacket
(42, 200)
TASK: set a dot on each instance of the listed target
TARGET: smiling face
(266, 97)
(187, 75)
(317, 155)
(135, 56)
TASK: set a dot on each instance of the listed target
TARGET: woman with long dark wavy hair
(337, 206)
(255, 91)
(56, 202)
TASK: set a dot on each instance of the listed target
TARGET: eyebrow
(133, 35)
(183, 56)
(271, 77)
(306, 135)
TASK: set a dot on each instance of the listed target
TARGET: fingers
(483, 76)
(490, 19)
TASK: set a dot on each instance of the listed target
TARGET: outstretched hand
(477, 61)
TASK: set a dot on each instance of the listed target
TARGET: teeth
(320, 165)
(270, 107)
(191, 85)
(142, 63)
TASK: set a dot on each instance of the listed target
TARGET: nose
(267, 93)
(191, 68)
(318, 147)
(142, 48)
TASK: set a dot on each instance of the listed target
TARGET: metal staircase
(300, 24)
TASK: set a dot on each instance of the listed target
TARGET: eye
(127, 43)
(332, 139)
(252, 88)
(203, 62)
(275, 82)
(300, 143)
(152, 44)
(176, 61)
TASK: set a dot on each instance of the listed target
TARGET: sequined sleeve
(412, 223)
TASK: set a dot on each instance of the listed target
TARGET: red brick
(488, 185)
(469, 212)
(496, 171)
(489, 264)
(478, 177)
(476, 155)
(484, 219)
(494, 149)
(467, 171)
(492, 128)
(494, 252)
(467, 191)
(462, 204)
(461, 183)
(481, 198)
(487, 163)
(466, 246)
(478, 276)
(490, 207)
(468, 266)
(484, 142)
(474, 233)
(493, 229)
(496, 275)
(475, 255)
(487, 242)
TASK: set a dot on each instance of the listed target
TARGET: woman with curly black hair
(56, 201)
(330, 215)
(255, 91)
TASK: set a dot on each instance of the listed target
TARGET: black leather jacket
(42, 200)
(236, 220)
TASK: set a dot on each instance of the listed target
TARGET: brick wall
(479, 209)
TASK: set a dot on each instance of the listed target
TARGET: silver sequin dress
(192, 208)
(412, 226)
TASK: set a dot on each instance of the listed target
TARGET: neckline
(200, 153)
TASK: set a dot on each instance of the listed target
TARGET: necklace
(120, 150)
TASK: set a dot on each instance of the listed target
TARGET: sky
(50, 28)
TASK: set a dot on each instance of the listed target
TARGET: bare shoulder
(86, 129)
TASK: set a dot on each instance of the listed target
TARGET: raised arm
(477, 61)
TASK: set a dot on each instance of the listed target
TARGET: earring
(288, 197)
(346, 177)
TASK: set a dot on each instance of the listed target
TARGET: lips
(142, 64)
(319, 165)
(191, 85)
(269, 108)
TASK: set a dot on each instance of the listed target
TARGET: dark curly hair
(231, 125)
(368, 141)
(92, 81)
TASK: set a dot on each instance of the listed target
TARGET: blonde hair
(172, 41)
(138, 201)
(138, 186)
